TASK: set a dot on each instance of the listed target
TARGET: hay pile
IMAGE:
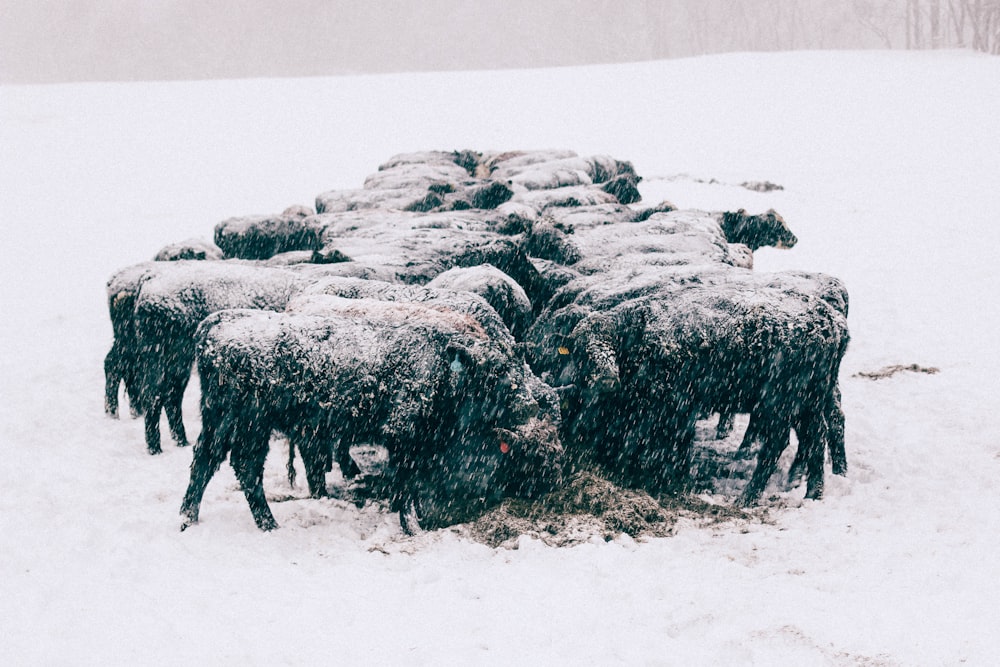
(589, 506)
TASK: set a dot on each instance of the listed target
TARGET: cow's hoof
(267, 524)
(815, 493)
(409, 517)
(746, 500)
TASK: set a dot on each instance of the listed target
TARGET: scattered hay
(589, 506)
(889, 371)
(761, 186)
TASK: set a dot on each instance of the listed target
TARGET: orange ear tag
(563, 350)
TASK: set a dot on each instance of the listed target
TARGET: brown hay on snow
(889, 371)
(590, 506)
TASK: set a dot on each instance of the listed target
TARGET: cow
(467, 159)
(193, 248)
(263, 236)
(756, 231)
(648, 368)
(501, 291)
(451, 405)
(165, 314)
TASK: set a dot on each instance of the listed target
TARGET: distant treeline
(45, 41)
(933, 24)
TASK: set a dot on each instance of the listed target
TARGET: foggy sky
(43, 41)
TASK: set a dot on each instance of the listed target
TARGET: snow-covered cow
(649, 366)
(501, 291)
(263, 236)
(193, 248)
(165, 314)
(452, 406)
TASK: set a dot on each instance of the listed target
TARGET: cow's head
(475, 471)
(756, 231)
(578, 349)
(488, 385)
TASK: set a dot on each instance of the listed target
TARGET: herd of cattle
(492, 320)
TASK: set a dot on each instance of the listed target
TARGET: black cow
(166, 312)
(452, 406)
(756, 231)
(467, 159)
(500, 290)
(263, 236)
(649, 367)
(415, 254)
(192, 248)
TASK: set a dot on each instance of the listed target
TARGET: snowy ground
(890, 165)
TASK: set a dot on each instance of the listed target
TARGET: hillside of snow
(890, 167)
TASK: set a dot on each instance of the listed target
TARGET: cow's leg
(247, 459)
(151, 415)
(664, 449)
(799, 463)
(813, 436)
(172, 406)
(348, 466)
(680, 454)
(209, 454)
(112, 380)
(400, 473)
(750, 436)
(315, 458)
(774, 437)
(132, 392)
(835, 434)
(725, 425)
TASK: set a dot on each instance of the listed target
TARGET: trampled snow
(890, 166)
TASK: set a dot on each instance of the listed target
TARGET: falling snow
(888, 163)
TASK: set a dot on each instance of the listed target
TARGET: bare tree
(875, 17)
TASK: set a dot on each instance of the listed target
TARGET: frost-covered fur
(263, 236)
(755, 231)
(193, 248)
(468, 160)
(484, 195)
(453, 408)
(576, 195)
(408, 199)
(509, 160)
(120, 362)
(500, 291)
(651, 362)
(467, 303)
(572, 218)
(596, 239)
(561, 172)
(415, 255)
(664, 239)
(416, 175)
(167, 310)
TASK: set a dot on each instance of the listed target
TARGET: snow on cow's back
(129, 279)
(468, 303)
(210, 286)
(390, 312)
